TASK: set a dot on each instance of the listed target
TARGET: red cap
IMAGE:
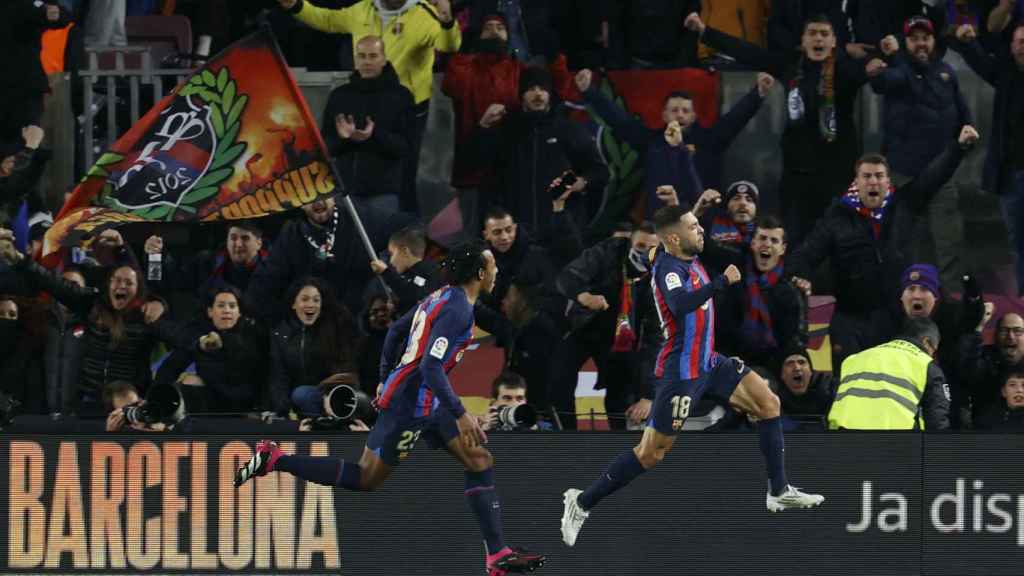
(494, 16)
(918, 22)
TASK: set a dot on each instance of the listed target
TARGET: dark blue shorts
(673, 397)
(394, 436)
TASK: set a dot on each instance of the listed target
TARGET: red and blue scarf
(874, 215)
(725, 231)
(758, 328)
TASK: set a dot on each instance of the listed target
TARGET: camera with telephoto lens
(344, 405)
(516, 417)
(163, 404)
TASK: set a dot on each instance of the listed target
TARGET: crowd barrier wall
(897, 505)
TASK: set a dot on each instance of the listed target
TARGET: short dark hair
(117, 388)
(770, 222)
(508, 379)
(677, 94)
(818, 18)
(668, 216)
(646, 227)
(494, 213)
(212, 293)
(248, 226)
(1015, 372)
(918, 329)
(871, 158)
(464, 263)
(413, 237)
(73, 269)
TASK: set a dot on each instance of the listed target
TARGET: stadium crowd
(267, 318)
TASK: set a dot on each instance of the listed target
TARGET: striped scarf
(874, 215)
(757, 326)
(826, 93)
(725, 231)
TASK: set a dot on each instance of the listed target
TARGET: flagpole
(304, 107)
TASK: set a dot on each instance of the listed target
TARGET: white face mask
(638, 259)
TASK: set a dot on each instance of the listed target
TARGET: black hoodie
(372, 167)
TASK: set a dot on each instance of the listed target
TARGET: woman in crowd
(317, 340)
(122, 326)
(224, 368)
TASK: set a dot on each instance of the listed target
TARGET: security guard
(894, 386)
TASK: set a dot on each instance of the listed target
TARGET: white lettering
(865, 519)
(899, 513)
(995, 510)
(957, 500)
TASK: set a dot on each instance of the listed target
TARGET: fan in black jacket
(230, 356)
(367, 125)
(317, 340)
(864, 235)
(528, 150)
(613, 321)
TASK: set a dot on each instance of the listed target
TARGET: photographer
(119, 395)
(508, 393)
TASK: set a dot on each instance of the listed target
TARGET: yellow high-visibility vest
(881, 389)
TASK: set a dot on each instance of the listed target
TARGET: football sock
(773, 447)
(325, 470)
(483, 500)
(619, 473)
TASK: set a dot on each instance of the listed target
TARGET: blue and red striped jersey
(683, 293)
(436, 333)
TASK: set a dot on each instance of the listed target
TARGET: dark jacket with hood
(867, 269)
(924, 109)
(527, 151)
(233, 376)
(373, 167)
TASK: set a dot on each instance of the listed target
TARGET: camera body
(518, 417)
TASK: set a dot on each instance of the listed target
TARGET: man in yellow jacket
(894, 386)
(412, 31)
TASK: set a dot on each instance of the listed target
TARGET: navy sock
(773, 447)
(325, 470)
(619, 473)
(483, 500)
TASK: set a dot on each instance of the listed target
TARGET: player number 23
(409, 439)
(680, 406)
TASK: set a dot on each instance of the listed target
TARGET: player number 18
(680, 406)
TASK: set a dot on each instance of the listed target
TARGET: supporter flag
(235, 140)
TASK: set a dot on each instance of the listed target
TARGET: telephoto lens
(513, 417)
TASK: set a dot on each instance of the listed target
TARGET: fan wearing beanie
(803, 391)
(530, 151)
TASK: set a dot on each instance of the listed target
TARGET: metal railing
(143, 75)
(148, 75)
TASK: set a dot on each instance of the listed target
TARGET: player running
(688, 368)
(417, 401)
